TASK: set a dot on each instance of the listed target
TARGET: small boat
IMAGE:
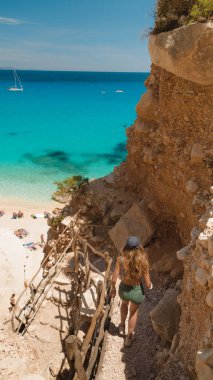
(119, 91)
(17, 83)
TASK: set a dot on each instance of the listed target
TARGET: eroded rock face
(186, 52)
(204, 364)
(166, 316)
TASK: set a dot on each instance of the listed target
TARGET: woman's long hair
(136, 263)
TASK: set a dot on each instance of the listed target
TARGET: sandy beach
(18, 263)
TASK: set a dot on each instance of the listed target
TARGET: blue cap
(132, 243)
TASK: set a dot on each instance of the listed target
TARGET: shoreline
(15, 203)
(18, 263)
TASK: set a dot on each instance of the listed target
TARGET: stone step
(89, 299)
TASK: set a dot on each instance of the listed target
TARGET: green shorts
(132, 293)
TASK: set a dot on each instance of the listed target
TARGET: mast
(19, 82)
(15, 78)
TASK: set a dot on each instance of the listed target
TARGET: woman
(132, 265)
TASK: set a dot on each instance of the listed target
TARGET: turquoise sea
(63, 124)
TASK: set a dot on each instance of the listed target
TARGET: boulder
(201, 276)
(135, 222)
(183, 253)
(88, 306)
(185, 52)
(165, 264)
(204, 364)
(165, 316)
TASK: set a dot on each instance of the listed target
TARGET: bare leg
(124, 311)
(133, 313)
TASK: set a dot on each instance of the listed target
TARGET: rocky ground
(140, 361)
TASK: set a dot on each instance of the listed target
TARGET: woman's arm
(147, 281)
(114, 277)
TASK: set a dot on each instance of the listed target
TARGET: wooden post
(95, 349)
(72, 351)
(69, 346)
(86, 262)
(99, 291)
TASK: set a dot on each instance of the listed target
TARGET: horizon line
(77, 71)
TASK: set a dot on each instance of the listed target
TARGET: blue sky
(91, 35)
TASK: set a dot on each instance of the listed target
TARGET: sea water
(63, 124)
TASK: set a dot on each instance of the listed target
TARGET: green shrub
(55, 221)
(201, 8)
(69, 186)
(171, 14)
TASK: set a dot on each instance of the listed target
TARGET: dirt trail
(138, 361)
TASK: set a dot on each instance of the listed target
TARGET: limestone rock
(95, 277)
(183, 253)
(32, 376)
(196, 154)
(209, 299)
(60, 296)
(165, 316)
(147, 108)
(210, 246)
(185, 52)
(195, 232)
(62, 279)
(204, 364)
(201, 276)
(135, 222)
(191, 186)
(6, 364)
(203, 239)
(44, 336)
(89, 298)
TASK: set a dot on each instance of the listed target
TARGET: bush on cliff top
(171, 14)
(202, 8)
(69, 186)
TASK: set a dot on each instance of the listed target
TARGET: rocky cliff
(169, 164)
(163, 193)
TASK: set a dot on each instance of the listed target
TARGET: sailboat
(17, 83)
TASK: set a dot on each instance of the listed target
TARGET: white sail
(16, 87)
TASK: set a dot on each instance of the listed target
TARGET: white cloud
(10, 21)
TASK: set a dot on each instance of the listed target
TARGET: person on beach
(20, 214)
(42, 243)
(21, 233)
(132, 265)
(15, 215)
(2, 212)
